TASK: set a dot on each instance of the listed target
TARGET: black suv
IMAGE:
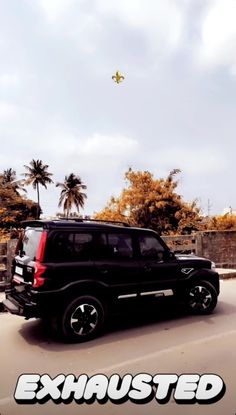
(74, 273)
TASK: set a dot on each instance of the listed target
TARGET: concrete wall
(11, 248)
(3, 261)
(219, 246)
(7, 251)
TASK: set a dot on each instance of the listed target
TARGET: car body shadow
(125, 325)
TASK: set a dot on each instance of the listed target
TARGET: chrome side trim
(127, 296)
(158, 293)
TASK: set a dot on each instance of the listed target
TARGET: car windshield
(30, 242)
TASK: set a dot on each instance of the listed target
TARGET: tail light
(38, 272)
(41, 247)
(39, 267)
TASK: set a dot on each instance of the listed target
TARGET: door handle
(103, 270)
(147, 268)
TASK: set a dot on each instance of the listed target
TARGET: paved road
(169, 344)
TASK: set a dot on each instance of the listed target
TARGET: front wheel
(82, 319)
(201, 297)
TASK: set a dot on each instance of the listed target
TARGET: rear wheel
(201, 297)
(82, 319)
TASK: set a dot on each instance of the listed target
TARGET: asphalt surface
(170, 342)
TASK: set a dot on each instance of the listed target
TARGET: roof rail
(94, 220)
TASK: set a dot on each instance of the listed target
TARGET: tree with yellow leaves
(153, 203)
(222, 222)
(13, 207)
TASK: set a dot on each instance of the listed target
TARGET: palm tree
(9, 175)
(37, 174)
(8, 178)
(71, 193)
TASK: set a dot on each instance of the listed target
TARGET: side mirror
(169, 255)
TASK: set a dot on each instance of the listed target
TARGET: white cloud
(7, 111)
(158, 27)
(9, 80)
(160, 22)
(54, 9)
(56, 139)
(108, 146)
(218, 35)
(195, 161)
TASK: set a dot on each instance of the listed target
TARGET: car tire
(201, 297)
(82, 319)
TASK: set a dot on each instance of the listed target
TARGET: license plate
(19, 270)
(18, 279)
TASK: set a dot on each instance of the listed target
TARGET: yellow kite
(118, 77)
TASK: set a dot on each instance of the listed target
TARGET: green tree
(37, 173)
(153, 203)
(71, 193)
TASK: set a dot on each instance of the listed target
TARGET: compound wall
(219, 246)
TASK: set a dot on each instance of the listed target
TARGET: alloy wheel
(84, 319)
(200, 298)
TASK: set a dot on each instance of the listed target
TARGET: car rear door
(115, 263)
(69, 257)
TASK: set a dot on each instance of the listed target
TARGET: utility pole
(209, 206)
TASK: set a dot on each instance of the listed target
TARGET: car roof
(81, 224)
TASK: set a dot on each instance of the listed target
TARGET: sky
(176, 107)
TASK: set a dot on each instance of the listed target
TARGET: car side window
(112, 246)
(120, 245)
(81, 246)
(150, 247)
(72, 247)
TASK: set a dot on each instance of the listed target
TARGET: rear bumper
(20, 305)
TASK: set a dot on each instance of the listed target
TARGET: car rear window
(30, 241)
